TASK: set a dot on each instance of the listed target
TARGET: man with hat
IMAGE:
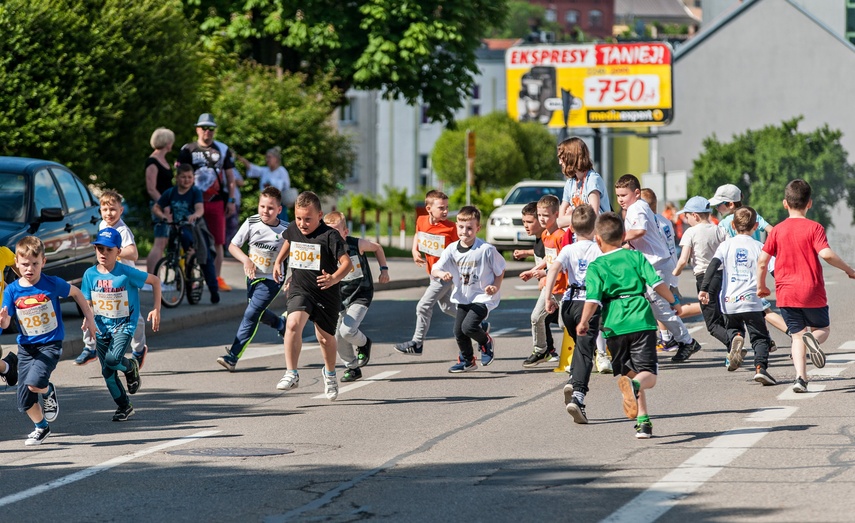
(213, 168)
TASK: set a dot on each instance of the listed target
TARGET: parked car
(504, 228)
(45, 199)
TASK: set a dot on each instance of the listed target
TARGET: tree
(507, 151)
(260, 110)
(761, 163)
(86, 83)
(423, 52)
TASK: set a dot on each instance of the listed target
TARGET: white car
(504, 228)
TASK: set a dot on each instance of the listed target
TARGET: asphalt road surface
(411, 442)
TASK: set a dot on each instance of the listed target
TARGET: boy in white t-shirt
(742, 308)
(643, 235)
(475, 269)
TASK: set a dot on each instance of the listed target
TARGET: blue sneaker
(487, 352)
(86, 356)
(227, 361)
(463, 365)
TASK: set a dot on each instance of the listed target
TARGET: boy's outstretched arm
(325, 281)
(497, 284)
(88, 317)
(762, 267)
(280, 258)
(5, 319)
(380, 254)
(587, 312)
(663, 290)
(551, 276)
(417, 256)
(154, 315)
(834, 260)
(683, 261)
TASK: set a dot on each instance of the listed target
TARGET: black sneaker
(577, 410)
(37, 436)
(763, 377)
(412, 348)
(817, 357)
(363, 354)
(51, 405)
(11, 376)
(536, 358)
(351, 375)
(644, 430)
(132, 376)
(800, 385)
(685, 351)
(772, 346)
(123, 413)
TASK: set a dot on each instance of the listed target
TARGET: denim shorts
(161, 229)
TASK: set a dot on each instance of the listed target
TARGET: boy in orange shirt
(433, 233)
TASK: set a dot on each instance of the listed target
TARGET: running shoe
(51, 404)
(291, 380)
(330, 385)
(800, 385)
(487, 352)
(351, 375)
(630, 397)
(86, 356)
(568, 393)
(772, 346)
(604, 364)
(132, 376)
(737, 353)
(11, 376)
(284, 318)
(644, 430)
(536, 358)
(817, 357)
(577, 410)
(123, 413)
(221, 283)
(667, 346)
(411, 348)
(685, 351)
(463, 365)
(363, 353)
(227, 361)
(762, 377)
(37, 436)
(485, 326)
(140, 356)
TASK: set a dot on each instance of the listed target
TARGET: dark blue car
(45, 199)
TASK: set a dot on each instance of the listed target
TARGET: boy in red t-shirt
(433, 233)
(797, 243)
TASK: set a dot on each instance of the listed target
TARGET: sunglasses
(212, 129)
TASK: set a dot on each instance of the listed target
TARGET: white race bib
(263, 259)
(111, 304)
(305, 256)
(432, 244)
(38, 320)
(355, 272)
(551, 254)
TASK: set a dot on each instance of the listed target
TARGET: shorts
(161, 229)
(634, 352)
(215, 219)
(798, 319)
(324, 316)
(35, 365)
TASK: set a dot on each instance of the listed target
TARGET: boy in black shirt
(318, 260)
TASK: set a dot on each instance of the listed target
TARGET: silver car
(504, 228)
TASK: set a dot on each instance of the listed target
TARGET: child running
(573, 260)
(263, 232)
(34, 300)
(357, 292)
(476, 270)
(797, 244)
(743, 310)
(111, 216)
(112, 290)
(617, 281)
(433, 234)
(318, 260)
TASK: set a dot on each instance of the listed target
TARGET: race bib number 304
(38, 320)
(305, 256)
(432, 244)
(111, 304)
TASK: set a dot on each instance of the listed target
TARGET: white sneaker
(330, 386)
(291, 380)
(604, 364)
(37, 436)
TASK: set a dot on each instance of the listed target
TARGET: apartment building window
(550, 15)
(595, 17)
(424, 170)
(572, 17)
(347, 112)
(425, 119)
(850, 21)
(476, 92)
(475, 109)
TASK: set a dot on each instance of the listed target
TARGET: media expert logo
(620, 85)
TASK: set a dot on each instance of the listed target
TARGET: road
(412, 442)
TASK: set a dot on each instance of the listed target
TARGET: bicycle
(179, 274)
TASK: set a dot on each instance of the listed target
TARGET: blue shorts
(161, 228)
(797, 318)
(35, 365)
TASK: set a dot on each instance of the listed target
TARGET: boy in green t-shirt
(617, 281)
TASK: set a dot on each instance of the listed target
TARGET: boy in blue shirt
(34, 300)
(112, 289)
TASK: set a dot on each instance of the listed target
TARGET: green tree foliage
(522, 18)
(762, 162)
(423, 52)
(86, 83)
(506, 152)
(257, 110)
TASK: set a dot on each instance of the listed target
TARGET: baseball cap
(726, 194)
(696, 204)
(109, 237)
(206, 120)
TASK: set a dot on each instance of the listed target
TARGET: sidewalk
(402, 271)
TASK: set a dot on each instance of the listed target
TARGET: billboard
(590, 85)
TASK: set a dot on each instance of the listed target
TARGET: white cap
(726, 194)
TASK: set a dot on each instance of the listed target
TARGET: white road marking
(766, 414)
(826, 371)
(363, 382)
(849, 345)
(687, 477)
(500, 332)
(266, 350)
(839, 358)
(789, 395)
(107, 465)
(696, 328)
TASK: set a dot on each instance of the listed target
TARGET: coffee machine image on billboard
(538, 85)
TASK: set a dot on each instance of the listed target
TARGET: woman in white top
(273, 175)
(584, 185)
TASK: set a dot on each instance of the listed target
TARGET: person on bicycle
(175, 206)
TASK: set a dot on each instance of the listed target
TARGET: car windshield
(13, 188)
(532, 193)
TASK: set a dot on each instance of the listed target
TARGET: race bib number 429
(432, 244)
(305, 256)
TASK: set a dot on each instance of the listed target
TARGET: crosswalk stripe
(363, 382)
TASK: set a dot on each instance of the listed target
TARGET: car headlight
(501, 221)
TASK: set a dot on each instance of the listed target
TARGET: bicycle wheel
(195, 281)
(171, 282)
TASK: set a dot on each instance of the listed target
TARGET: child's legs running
(328, 350)
(663, 313)
(260, 295)
(711, 311)
(35, 365)
(755, 325)
(475, 314)
(348, 334)
(110, 352)
(138, 341)
(436, 291)
(538, 321)
(582, 362)
(294, 337)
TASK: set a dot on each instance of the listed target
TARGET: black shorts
(798, 319)
(325, 316)
(634, 352)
